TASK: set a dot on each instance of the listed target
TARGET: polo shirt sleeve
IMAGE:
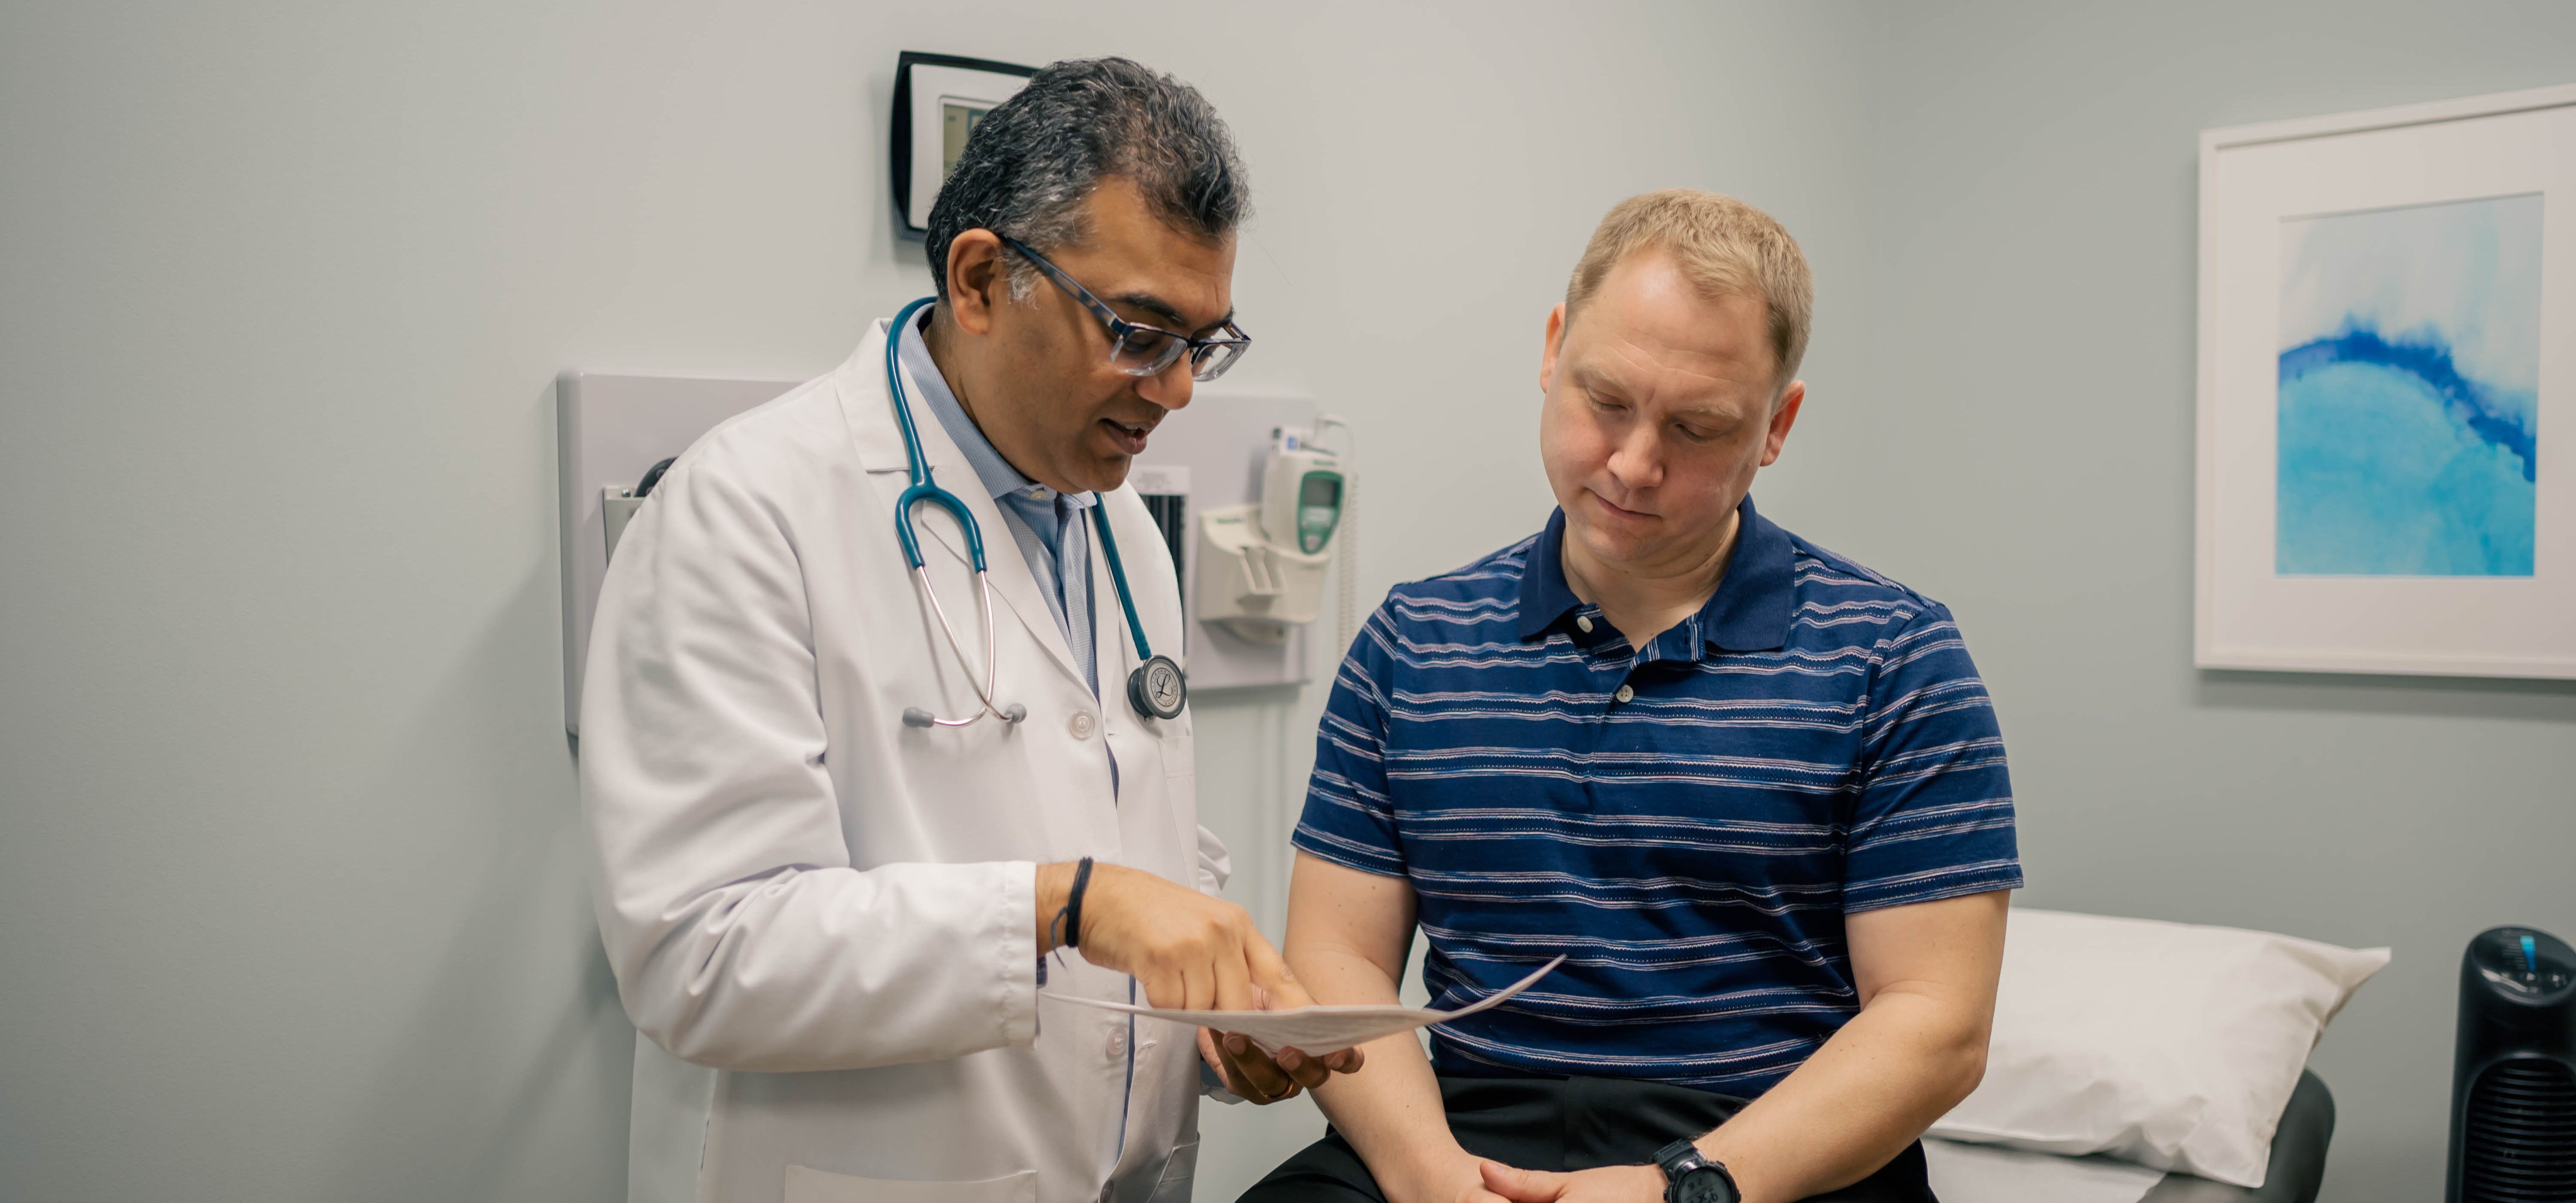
(1934, 815)
(1350, 815)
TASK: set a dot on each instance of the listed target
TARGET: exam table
(2298, 1162)
(1980, 1174)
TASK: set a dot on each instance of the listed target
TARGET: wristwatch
(1691, 1178)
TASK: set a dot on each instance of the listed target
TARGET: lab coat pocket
(805, 1185)
(1178, 1172)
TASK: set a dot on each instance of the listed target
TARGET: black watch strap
(1692, 1178)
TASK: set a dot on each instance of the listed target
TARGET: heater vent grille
(2521, 1134)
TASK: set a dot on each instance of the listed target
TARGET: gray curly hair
(1033, 160)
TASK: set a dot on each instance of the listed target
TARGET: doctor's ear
(977, 280)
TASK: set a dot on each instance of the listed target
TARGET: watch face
(1703, 1185)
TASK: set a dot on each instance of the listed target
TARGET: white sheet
(1966, 1173)
(1321, 1028)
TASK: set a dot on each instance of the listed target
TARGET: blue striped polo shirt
(1688, 822)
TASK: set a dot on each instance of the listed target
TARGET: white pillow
(2166, 1044)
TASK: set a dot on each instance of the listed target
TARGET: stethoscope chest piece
(1158, 688)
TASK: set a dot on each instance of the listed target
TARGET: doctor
(856, 820)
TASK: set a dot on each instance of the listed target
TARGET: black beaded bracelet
(1073, 904)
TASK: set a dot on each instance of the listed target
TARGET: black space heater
(2513, 1085)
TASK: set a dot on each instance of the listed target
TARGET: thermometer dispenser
(1261, 566)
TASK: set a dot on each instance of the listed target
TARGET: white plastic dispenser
(1261, 566)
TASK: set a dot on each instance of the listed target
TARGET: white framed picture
(2387, 438)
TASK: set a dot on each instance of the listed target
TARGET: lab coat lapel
(861, 383)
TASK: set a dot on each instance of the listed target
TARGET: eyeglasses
(1145, 350)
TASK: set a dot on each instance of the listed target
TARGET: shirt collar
(1750, 611)
(1000, 480)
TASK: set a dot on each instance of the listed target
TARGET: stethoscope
(1157, 689)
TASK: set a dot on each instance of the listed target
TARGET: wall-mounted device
(617, 506)
(938, 99)
(1261, 566)
(1217, 458)
(1236, 450)
(2513, 1079)
(611, 434)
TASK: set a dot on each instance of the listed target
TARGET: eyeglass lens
(1143, 352)
(1211, 361)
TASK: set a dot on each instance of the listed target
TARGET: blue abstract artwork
(2409, 391)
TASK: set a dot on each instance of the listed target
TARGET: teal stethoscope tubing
(924, 488)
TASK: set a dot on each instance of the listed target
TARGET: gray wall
(2023, 451)
(293, 877)
(287, 843)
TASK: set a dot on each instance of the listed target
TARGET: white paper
(1319, 1029)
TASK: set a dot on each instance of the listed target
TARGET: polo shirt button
(1081, 724)
(1117, 1044)
(1625, 693)
(1583, 623)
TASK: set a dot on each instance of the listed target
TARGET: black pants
(1560, 1124)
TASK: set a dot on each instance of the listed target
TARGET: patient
(1753, 790)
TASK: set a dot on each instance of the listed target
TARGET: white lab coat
(821, 919)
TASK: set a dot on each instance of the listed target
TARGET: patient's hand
(1609, 1184)
(1451, 1176)
(1258, 1077)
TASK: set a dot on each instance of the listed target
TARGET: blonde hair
(1724, 248)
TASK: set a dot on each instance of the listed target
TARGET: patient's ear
(1784, 414)
(1555, 341)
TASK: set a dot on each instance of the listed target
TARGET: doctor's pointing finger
(884, 738)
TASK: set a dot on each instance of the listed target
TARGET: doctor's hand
(1185, 948)
(1192, 951)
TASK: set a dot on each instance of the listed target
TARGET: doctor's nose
(1170, 388)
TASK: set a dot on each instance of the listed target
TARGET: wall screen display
(939, 99)
(957, 121)
(1319, 507)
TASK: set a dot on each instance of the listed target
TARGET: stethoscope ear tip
(1014, 712)
(915, 716)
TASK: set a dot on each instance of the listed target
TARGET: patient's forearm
(1347, 936)
(1901, 1063)
(1390, 1110)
